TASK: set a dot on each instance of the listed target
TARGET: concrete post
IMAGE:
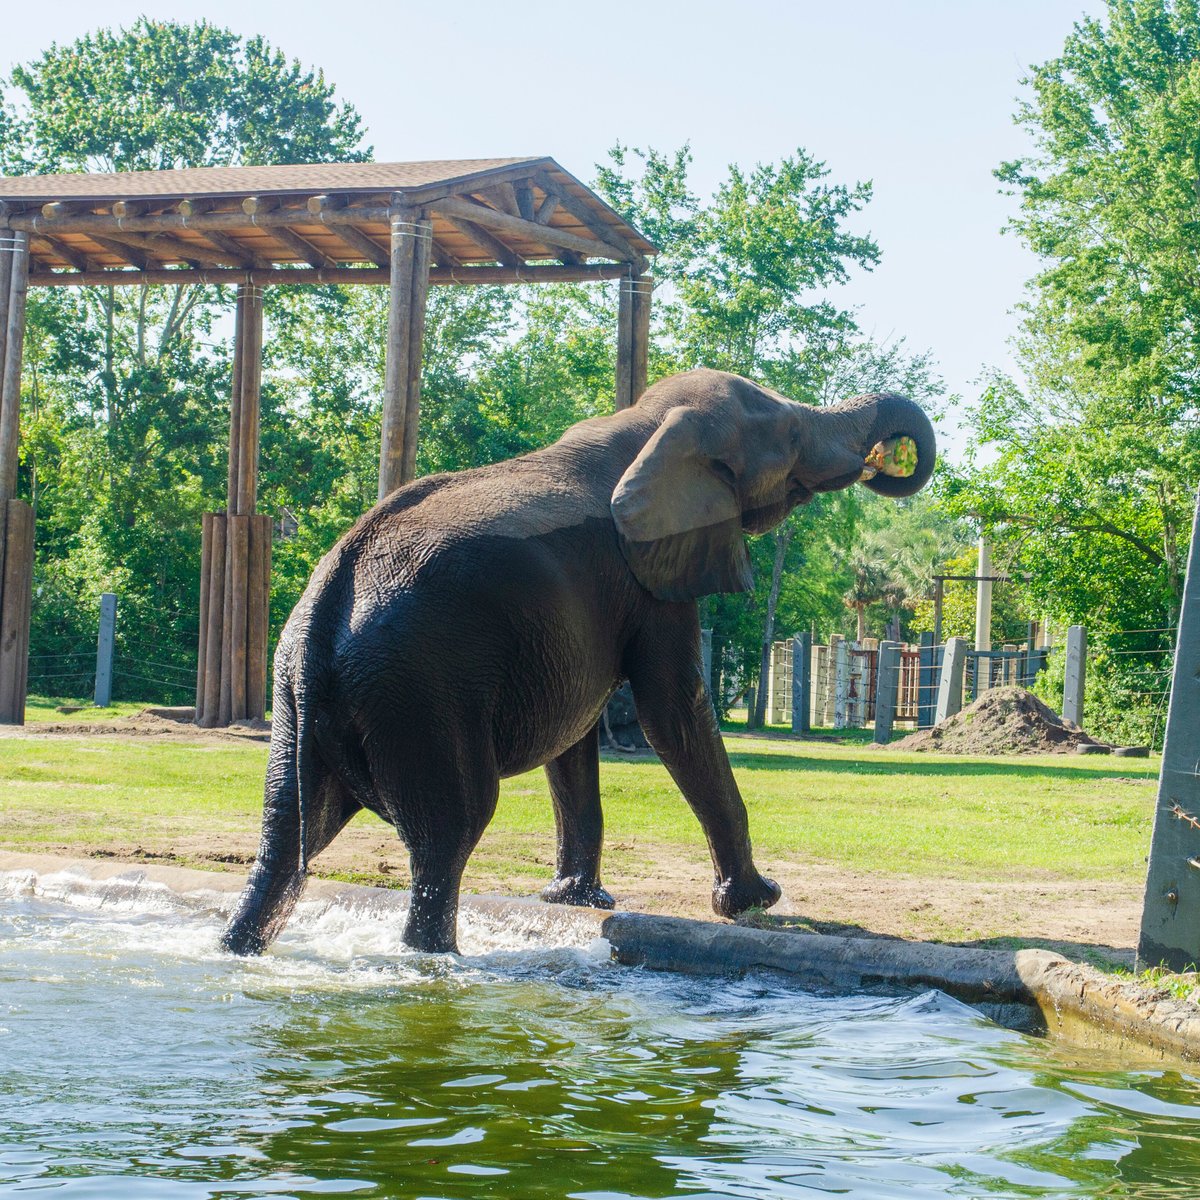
(801, 683)
(1075, 677)
(841, 685)
(950, 685)
(1170, 930)
(926, 681)
(886, 688)
(104, 650)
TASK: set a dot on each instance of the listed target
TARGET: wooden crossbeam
(505, 255)
(525, 206)
(320, 206)
(164, 246)
(545, 235)
(65, 251)
(234, 248)
(504, 197)
(588, 219)
(303, 247)
(584, 273)
(134, 257)
(545, 210)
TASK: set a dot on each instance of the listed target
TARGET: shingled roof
(510, 212)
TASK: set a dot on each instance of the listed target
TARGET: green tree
(1098, 457)
(126, 390)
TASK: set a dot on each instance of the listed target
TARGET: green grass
(46, 708)
(925, 815)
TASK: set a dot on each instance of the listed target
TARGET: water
(138, 1061)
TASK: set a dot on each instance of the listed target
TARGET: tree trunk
(861, 611)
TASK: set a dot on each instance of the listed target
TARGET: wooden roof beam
(319, 207)
(505, 255)
(587, 272)
(126, 253)
(546, 209)
(544, 235)
(525, 206)
(64, 250)
(218, 240)
(164, 247)
(254, 206)
(588, 219)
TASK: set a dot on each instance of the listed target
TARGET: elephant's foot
(734, 896)
(579, 891)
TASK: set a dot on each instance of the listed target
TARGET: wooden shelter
(406, 225)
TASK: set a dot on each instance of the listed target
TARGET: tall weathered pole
(16, 517)
(633, 338)
(1170, 932)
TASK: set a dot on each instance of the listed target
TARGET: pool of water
(136, 1060)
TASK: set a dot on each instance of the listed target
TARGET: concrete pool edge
(1032, 990)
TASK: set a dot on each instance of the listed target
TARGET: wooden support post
(259, 594)
(238, 554)
(1170, 930)
(1075, 677)
(887, 684)
(15, 603)
(399, 347)
(641, 292)
(251, 388)
(625, 346)
(10, 386)
(706, 659)
(235, 400)
(206, 539)
(105, 641)
(419, 294)
(841, 685)
(950, 685)
(802, 683)
(209, 714)
(8, 254)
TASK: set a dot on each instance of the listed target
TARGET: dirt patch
(173, 724)
(1007, 720)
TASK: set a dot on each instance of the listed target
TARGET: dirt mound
(1007, 720)
(177, 724)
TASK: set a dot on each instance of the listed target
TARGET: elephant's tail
(304, 761)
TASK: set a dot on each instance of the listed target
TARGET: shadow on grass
(1096, 954)
(878, 763)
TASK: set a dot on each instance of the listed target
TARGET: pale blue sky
(916, 96)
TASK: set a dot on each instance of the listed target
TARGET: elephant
(472, 626)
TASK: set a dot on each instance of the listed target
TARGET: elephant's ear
(678, 516)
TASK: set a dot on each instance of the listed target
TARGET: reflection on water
(138, 1061)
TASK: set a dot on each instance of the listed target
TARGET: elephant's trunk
(862, 421)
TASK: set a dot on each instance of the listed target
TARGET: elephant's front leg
(575, 790)
(677, 715)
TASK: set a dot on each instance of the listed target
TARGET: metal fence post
(801, 682)
(886, 688)
(950, 685)
(104, 649)
(1170, 931)
(1075, 677)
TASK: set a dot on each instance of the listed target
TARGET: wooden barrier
(235, 574)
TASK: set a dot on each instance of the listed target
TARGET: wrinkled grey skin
(472, 626)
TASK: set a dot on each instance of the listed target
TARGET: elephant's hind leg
(440, 799)
(575, 790)
(276, 880)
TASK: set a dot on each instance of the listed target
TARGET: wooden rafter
(545, 235)
(588, 219)
(64, 250)
(321, 206)
(125, 252)
(505, 255)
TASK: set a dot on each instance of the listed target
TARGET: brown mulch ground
(175, 724)
(1007, 720)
